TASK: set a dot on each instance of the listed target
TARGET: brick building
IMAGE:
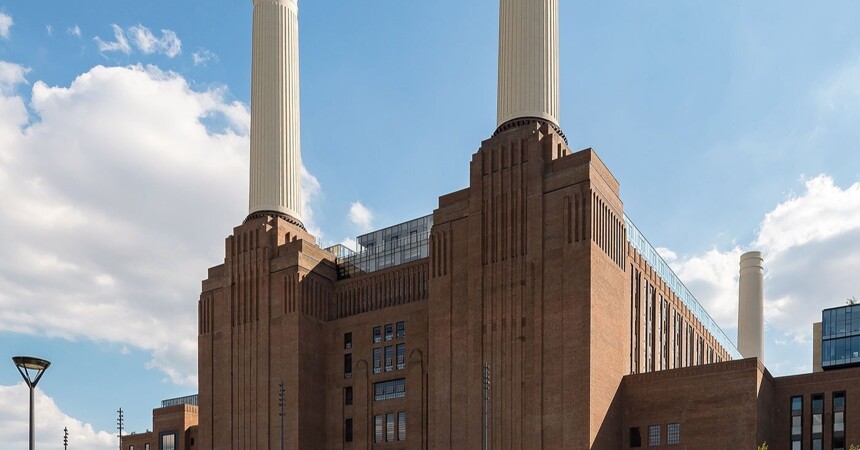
(532, 270)
(174, 427)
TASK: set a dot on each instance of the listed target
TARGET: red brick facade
(530, 272)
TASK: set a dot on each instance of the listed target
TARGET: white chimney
(528, 60)
(276, 159)
(751, 306)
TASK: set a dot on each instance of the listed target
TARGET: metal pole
(65, 438)
(32, 420)
(281, 402)
(119, 424)
(486, 389)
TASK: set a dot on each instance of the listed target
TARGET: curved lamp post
(31, 367)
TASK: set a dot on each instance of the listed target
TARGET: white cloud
(361, 216)
(119, 45)
(121, 163)
(311, 193)
(11, 75)
(811, 248)
(168, 44)
(6, 23)
(50, 30)
(74, 31)
(203, 56)
(841, 90)
(15, 419)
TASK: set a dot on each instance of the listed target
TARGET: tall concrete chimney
(528, 61)
(275, 144)
(751, 306)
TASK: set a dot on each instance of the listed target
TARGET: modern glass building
(840, 337)
(388, 247)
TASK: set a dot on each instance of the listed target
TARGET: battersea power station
(525, 312)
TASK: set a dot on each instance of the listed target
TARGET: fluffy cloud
(5, 25)
(143, 39)
(168, 44)
(203, 56)
(15, 420)
(811, 247)
(115, 201)
(74, 31)
(120, 43)
(361, 216)
(11, 75)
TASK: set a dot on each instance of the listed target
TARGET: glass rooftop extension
(409, 241)
(187, 400)
(388, 247)
(638, 241)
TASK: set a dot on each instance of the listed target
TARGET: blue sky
(730, 125)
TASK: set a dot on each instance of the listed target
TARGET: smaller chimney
(751, 306)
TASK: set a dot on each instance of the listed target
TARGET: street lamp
(38, 366)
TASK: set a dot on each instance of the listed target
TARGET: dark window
(796, 421)
(401, 330)
(817, 417)
(635, 437)
(389, 358)
(347, 395)
(401, 356)
(347, 365)
(377, 360)
(387, 390)
(377, 335)
(389, 332)
(673, 433)
(347, 430)
(653, 435)
(838, 421)
(347, 341)
(401, 426)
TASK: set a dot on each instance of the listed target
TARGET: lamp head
(31, 368)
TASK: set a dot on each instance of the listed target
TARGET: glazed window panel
(389, 358)
(401, 356)
(673, 434)
(377, 360)
(401, 426)
(653, 435)
(168, 441)
(389, 332)
(378, 428)
(389, 427)
(401, 330)
(377, 335)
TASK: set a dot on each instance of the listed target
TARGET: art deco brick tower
(528, 271)
(261, 311)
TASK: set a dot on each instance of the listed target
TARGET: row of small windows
(387, 430)
(168, 442)
(673, 435)
(377, 334)
(388, 390)
(389, 358)
(389, 332)
(818, 426)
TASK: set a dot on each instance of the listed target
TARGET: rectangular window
(377, 360)
(377, 428)
(347, 395)
(838, 421)
(347, 430)
(401, 356)
(347, 365)
(673, 434)
(389, 332)
(347, 341)
(635, 438)
(817, 416)
(816, 444)
(377, 335)
(653, 435)
(401, 330)
(389, 358)
(796, 421)
(401, 426)
(168, 441)
(389, 427)
(387, 390)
